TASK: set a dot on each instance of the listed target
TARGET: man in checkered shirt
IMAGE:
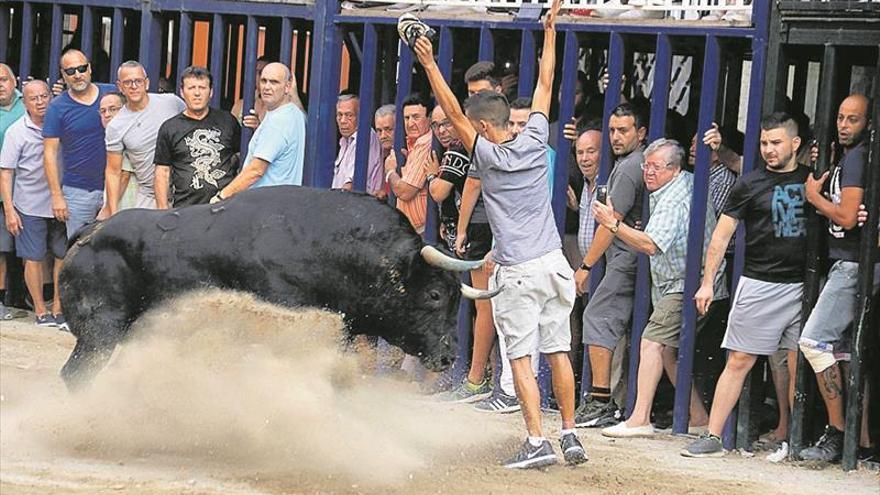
(665, 241)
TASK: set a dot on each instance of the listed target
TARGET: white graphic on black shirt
(835, 195)
(205, 147)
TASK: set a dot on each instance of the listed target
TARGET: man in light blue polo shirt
(275, 153)
(11, 109)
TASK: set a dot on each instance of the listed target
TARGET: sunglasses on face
(79, 68)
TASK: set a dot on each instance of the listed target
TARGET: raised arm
(445, 98)
(544, 90)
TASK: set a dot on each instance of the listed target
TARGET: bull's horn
(471, 293)
(436, 258)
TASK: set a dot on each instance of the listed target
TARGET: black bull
(291, 246)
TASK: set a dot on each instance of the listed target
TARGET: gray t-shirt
(514, 184)
(134, 133)
(626, 186)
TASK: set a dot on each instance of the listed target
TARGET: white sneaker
(621, 430)
(715, 15)
(642, 14)
(781, 453)
(737, 16)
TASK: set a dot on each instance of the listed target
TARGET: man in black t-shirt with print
(765, 313)
(197, 150)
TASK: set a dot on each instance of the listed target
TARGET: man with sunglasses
(73, 135)
(133, 132)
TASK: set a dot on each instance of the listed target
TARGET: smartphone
(602, 193)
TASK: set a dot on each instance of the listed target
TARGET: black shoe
(707, 445)
(597, 414)
(829, 448)
(572, 450)
(532, 457)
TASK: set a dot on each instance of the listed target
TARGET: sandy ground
(128, 435)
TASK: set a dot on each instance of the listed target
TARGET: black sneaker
(530, 457)
(829, 448)
(707, 445)
(61, 322)
(572, 450)
(597, 414)
(498, 402)
(46, 320)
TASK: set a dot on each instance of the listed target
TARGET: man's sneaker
(572, 450)
(466, 392)
(597, 414)
(530, 456)
(829, 448)
(780, 454)
(46, 320)
(61, 322)
(498, 402)
(5, 314)
(707, 445)
(621, 430)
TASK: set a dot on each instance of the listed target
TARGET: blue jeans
(83, 207)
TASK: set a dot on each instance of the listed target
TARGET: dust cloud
(222, 379)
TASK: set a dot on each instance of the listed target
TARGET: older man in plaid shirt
(665, 241)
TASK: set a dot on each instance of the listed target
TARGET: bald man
(824, 340)
(11, 109)
(275, 152)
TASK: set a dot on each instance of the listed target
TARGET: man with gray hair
(11, 109)
(133, 132)
(665, 240)
(347, 110)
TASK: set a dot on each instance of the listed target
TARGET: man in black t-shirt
(766, 311)
(197, 150)
(824, 340)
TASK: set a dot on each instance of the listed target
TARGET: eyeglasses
(108, 110)
(437, 125)
(73, 70)
(133, 83)
(656, 167)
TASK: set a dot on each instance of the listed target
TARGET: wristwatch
(616, 227)
(586, 267)
(430, 177)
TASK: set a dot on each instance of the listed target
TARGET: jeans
(83, 207)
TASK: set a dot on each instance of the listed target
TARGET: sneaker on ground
(642, 14)
(46, 320)
(737, 16)
(529, 456)
(5, 314)
(707, 445)
(621, 430)
(498, 402)
(829, 448)
(572, 450)
(466, 392)
(715, 15)
(61, 322)
(597, 414)
(780, 454)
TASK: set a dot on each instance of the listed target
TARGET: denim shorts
(40, 235)
(83, 207)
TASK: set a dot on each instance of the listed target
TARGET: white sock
(536, 441)
(564, 432)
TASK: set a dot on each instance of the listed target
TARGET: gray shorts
(7, 244)
(608, 315)
(535, 305)
(826, 328)
(764, 317)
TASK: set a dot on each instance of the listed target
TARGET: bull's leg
(84, 362)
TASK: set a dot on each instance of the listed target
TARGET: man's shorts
(664, 324)
(479, 241)
(40, 235)
(764, 317)
(7, 244)
(609, 313)
(83, 207)
(535, 305)
(835, 310)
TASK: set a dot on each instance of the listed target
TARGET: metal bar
(861, 324)
(87, 30)
(566, 112)
(251, 36)
(526, 63)
(150, 36)
(4, 38)
(732, 89)
(27, 40)
(117, 43)
(184, 43)
(218, 42)
(286, 50)
(696, 229)
(366, 107)
(825, 133)
(55, 41)
(404, 83)
(487, 44)
(799, 91)
(445, 53)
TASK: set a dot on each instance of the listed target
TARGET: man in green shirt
(11, 109)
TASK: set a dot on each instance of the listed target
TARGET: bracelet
(388, 175)
(430, 177)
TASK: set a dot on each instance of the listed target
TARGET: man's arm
(250, 174)
(112, 180)
(844, 214)
(544, 90)
(160, 185)
(721, 236)
(50, 164)
(440, 189)
(13, 222)
(444, 96)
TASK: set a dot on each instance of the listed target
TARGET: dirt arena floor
(231, 396)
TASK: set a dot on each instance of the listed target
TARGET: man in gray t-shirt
(609, 311)
(535, 280)
(133, 132)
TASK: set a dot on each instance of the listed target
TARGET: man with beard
(765, 313)
(825, 340)
(196, 150)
